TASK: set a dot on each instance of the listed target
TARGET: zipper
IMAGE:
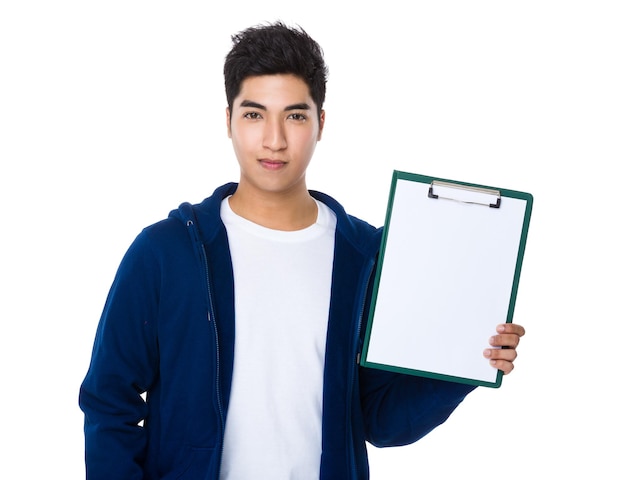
(211, 320)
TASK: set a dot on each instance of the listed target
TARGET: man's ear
(322, 121)
(228, 122)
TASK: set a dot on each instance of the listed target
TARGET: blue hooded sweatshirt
(156, 394)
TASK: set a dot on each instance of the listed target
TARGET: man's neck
(280, 211)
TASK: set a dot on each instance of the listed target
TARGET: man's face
(274, 127)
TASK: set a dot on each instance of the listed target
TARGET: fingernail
(487, 352)
(501, 328)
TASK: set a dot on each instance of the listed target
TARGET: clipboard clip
(465, 193)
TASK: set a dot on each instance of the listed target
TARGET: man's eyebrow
(295, 106)
(298, 106)
(251, 104)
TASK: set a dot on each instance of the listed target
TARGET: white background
(112, 113)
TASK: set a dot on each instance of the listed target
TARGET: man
(241, 317)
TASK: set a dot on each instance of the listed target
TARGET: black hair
(275, 49)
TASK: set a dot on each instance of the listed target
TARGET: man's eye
(253, 115)
(298, 116)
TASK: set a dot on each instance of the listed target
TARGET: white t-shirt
(282, 298)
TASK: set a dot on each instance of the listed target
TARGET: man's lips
(271, 164)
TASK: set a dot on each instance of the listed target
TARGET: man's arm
(400, 409)
(122, 367)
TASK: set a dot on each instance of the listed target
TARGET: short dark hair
(275, 49)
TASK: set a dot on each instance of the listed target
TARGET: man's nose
(274, 135)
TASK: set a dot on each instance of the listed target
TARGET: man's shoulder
(357, 231)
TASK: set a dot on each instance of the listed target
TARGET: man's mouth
(271, 164)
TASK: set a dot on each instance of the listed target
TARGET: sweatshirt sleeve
(123, 366)
(400, 409)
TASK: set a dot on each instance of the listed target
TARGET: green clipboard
(448, 273)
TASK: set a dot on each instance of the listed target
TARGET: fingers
(505, 343)
(502, 359)
(508, 336)
(504, 340)
(511, 328)
(506, 367)
(505, 354)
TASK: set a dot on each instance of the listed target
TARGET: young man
(241, 317)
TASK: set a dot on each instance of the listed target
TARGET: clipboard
(448, 273)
